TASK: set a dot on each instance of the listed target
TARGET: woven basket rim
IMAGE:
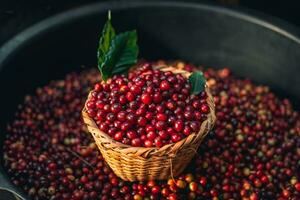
(151, 151)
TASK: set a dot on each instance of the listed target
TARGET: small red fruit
(130, 96)
(165, 192)
(178, 125)
(164, 85)
(193, 186)
(161, 117)
(118, 136)
(148, 143)
(204, 108)
(181, 184)
(297, 187)
(155, 189)
(203, 181)
(146, 99)
(136, 142)
(173, 196)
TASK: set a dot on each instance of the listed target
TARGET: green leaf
(116, 53)
(121, 56)
(197, 81)
(108, 34)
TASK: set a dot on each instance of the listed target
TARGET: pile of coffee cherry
(148, 108)
(252, 153)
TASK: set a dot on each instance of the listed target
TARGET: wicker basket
(141, 163)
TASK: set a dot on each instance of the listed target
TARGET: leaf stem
(109, 15)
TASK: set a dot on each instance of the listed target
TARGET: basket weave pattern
(141, 163)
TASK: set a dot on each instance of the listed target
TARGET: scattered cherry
(49, 155)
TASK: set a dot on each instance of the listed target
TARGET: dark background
(16, 15)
